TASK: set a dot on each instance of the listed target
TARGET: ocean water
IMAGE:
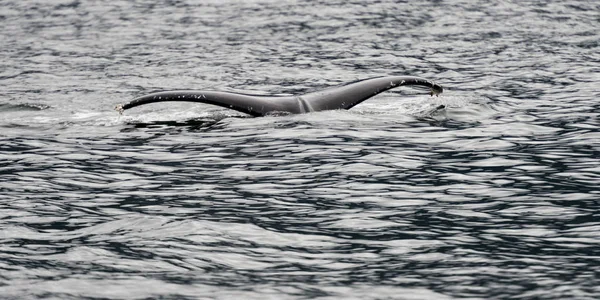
(496, 196)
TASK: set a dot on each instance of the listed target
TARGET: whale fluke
(338, 97)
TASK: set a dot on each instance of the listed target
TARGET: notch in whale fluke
(340, 97)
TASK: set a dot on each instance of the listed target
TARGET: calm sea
(497, 196)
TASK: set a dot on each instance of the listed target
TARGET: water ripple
(486, 192)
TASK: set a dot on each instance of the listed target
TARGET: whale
(344, 96)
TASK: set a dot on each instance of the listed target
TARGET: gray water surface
(493, 197)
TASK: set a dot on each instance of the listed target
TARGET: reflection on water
(486, 192)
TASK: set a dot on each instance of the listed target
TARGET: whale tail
(339, 97)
